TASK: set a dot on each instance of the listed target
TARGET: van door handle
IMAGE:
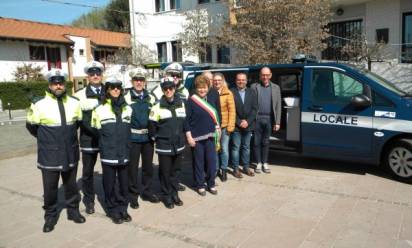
(316, 108)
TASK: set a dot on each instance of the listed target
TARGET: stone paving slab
(302, 203)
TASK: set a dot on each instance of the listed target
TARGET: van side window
(334, 87)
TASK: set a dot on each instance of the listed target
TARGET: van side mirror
(361, 101)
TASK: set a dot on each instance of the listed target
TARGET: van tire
(398, 160)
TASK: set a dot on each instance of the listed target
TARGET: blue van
(336, 111)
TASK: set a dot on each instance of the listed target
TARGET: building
(55, 46)
(379, 20)
(158, 22)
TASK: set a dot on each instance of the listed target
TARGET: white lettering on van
(335, 119)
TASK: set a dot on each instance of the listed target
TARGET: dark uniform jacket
(166, 126)
(113, 124)
(140, 115)
(246, 110)
(54, 122)
(89, 100)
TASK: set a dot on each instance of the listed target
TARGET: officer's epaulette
(75, 98)
(35, 99)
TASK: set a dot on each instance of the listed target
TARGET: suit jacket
(247, 110)
(276, 101)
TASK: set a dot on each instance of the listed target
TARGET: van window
(334, 87)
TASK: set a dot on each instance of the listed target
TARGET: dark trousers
(175, 176)
(89, 160)
(167, 166)
(116, 202)
(204, 160)
(144, 150)
(261, 139)
(50, 189)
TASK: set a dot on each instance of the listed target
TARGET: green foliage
(93, 19)
(20, 94)
(114, 17)
(116, 21)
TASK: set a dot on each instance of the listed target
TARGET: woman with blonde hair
(228, 113)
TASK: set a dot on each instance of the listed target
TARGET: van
(336, 111)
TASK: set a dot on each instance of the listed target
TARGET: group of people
(126, 125)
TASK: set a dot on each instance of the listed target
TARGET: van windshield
(385, 83)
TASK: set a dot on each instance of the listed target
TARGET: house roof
(38, 31)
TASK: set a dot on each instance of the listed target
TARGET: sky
(50, 12)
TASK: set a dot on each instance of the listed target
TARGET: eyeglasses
(168, 88)
(94, 74)
(175, 75)
(112, 87)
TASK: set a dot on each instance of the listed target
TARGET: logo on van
(335, 119)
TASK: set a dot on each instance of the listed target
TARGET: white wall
(79, 61)
(16, 53)
(164, 26)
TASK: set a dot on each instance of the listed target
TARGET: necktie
(98, 91)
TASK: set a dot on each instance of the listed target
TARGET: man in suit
(246, 109)
(268, 117)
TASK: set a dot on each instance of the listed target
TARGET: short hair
(222, 76)
(201, 81)
(265, 67)
(241, 73)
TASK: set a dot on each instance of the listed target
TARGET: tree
(28, 72)
(195, 35)
(117, 16)
(358, 50)
(114, 17)
(93, 19)
(272, 31)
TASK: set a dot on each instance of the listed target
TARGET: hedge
(19, 94)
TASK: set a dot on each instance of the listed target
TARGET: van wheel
(398, 160)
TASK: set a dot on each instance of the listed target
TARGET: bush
(20, 94)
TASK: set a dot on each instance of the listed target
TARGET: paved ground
(303, 203)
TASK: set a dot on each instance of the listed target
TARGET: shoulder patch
(35, 99)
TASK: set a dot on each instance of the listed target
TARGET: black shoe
(134, 204)
(116, 219)
(219, 174)
(180, 187)
(76, 217)
(223, 177)
(89, 208)
(126, 217)
(150, 197)
(169, 203)
(213, 191)
(49, 225)
(177, 201)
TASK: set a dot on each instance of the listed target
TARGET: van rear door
(332, 126)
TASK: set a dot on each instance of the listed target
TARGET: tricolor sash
(213, 114)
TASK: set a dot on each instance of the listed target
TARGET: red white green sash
(213, 114)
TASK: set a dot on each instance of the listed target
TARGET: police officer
(175, 71)
(112, 120)
(166, 128)
(53, 120)
(141, 102)
(90, 97)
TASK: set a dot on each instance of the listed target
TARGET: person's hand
(244, 124)
(276, 127)
(190, 139)
(191, 142)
